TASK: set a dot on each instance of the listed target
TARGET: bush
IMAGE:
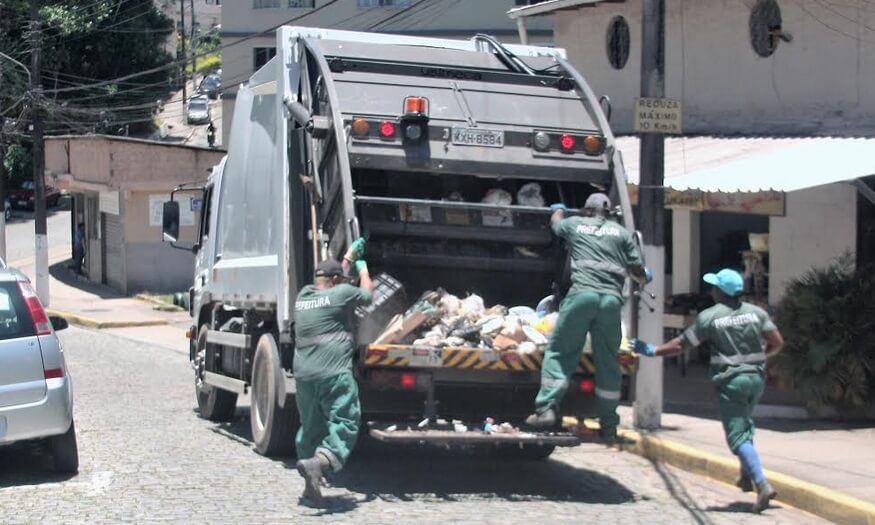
(828, 320)
(207, 63)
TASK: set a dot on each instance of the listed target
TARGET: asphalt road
(19, 232)
(147, 457)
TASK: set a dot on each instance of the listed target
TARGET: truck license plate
(489, 138)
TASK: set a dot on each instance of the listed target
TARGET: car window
(27, 185)
(198, 104)
(15, 319)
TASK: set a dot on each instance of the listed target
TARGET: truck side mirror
(170, 221)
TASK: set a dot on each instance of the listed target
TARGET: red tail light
(587, 386)
(567, 142)
(387, 130)
(54, 373)
(408, 381)
(40, 320)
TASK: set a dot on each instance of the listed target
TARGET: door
(113, 250)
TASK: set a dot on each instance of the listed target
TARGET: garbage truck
(422, 146)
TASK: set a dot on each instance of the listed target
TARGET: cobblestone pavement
(146, 457)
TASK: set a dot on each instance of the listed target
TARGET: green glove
(358, 247)
(360, 266)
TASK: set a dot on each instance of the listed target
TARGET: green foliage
(828, 321)
(208, 63)
(19, 164)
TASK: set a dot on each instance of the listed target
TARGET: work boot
(311, 470)
(744, 482)
(765, 494)
(608, 435)
(546, 419)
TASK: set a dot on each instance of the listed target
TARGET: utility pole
(192, 45)
(651, 203)
(41, 244)
(2, 192)
(184, 57)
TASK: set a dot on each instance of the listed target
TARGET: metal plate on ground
(449, 438)
(487, 138)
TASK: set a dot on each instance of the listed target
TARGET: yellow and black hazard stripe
(395, 356)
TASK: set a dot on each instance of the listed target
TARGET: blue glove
(648, 275)
(358, 247)
(642, 348)
(360, 265)
(558, 206)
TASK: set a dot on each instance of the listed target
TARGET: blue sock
(750, 462)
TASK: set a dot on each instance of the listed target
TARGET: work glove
(357, 248)
(642, 348)
(360, 266)
(558, 206)
(648, 275)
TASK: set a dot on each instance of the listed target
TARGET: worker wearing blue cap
(735, 331)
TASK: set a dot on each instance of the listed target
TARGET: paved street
(19, 232)
(147, 457)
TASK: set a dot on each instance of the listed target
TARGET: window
(765, 27)
(262, 55)
(15, 319)
(367, 4)
(214, 2)
(527, 2)
(301, 4)
(261, 4)
(618, 42)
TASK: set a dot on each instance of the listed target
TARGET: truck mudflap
(449, 438)
(411, 356)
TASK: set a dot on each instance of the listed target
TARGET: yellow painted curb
(809, 497)
(88, 322)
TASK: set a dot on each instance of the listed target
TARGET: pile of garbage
(441, 319)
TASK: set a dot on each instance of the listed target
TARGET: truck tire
(273, 426)
(65, 451)
(213, 403)
(526, 452)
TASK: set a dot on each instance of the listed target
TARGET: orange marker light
(415, 106)
(361, 127)
(593, 145)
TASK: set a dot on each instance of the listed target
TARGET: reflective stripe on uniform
(332, 337)
(553, 383)
(613, 395)
(737, 359)
(690, 335)
(589, 264)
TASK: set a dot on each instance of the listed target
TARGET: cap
(329, 268)
(728, 281)
(597, 201)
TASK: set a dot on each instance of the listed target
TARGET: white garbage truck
(397, 139)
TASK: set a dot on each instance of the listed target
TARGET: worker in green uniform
(735, 332)
(603, 253)
(327, 393)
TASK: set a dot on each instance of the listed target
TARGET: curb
(816, 499)
(88, 322)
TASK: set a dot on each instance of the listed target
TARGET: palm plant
(828, 320)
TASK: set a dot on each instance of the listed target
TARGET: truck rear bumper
(473, 438)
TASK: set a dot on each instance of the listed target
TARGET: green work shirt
(602, 251)
(323, 330)
(735, 336)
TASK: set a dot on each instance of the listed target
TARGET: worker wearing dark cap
(603, 253)
(740, 335)
(327, 394)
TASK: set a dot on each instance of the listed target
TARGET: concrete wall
(820, 225)
(819, 83)
(433, 18)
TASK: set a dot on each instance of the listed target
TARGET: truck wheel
(273, 426)
(526, 452)
(65, 451)
(213, 403)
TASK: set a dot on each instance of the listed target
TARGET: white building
(755, 70)
(248, 22)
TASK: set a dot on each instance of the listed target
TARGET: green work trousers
(579, 314)
(330, 417)
(738, 397)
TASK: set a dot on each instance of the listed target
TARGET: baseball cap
(598, 201)
(728, 281)
(329, 268)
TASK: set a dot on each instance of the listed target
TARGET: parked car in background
(198, 110)
(36, 394)
(23, 197)
(210, 86)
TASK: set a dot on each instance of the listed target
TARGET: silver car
(36, 395)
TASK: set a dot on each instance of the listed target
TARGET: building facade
(244, 21)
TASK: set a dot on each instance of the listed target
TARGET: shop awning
(731, 165)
